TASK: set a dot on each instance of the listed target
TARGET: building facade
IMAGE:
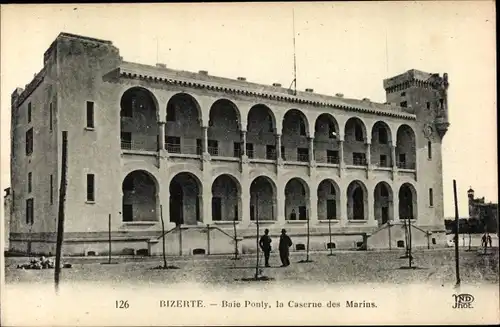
(7, 207)
(485, 212)
(146, 142)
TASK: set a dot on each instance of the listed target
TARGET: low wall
(201, 240)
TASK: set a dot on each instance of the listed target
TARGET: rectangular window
(199, 148)
(332, 156)
(213, 147)
(283, 152)
(249, 150)
(303, 154)
(29, 112)
(431, 198)
(236, 149)
(216, 208)
(404, 104)
(173, 144)
(402, 160)
(90, 188)
(428, 105)
(29, 142)
(429, 150)
(30, 180)
(50, 116)
(126, 140)
(90, 114)
(331, 209)
(441, 103)
(270, 152)
(359, 159)
(30, 211)
(51, 189)
(383, 160)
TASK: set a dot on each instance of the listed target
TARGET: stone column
(368, 154)
(395, 205)
(161, 136)
(280, 198)
(342, 216)
(341, 157)
(313, 205)
(311, 149)
(207, 201)
(245, 200)
(244, 145)
(278, 147)
(368, 160)
(370, 212)
(394, 162)
(205, 139)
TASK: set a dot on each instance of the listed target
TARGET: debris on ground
(41, 263)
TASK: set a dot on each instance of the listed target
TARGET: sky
(341, 47)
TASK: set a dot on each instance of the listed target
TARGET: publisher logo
(463, 301)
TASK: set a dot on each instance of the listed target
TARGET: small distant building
(7, 206)
(487, 213)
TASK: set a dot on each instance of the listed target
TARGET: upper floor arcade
(191, 126)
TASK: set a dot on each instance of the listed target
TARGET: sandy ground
(434, 266)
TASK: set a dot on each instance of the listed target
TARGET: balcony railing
(139, 145)
(322, 158)
(213, 151)
(303, 157)
(271, 155)
(173, 148)
(359, 161)
(406, 165)
(184, 149)
(384, 164)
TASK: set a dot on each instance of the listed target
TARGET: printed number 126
(121, 304)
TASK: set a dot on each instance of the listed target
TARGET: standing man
(265, 245)
(284, 247)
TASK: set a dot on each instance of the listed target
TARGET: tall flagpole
(294, 57)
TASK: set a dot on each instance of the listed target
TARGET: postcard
(249, 164)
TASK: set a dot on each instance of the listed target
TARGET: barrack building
(211, 155)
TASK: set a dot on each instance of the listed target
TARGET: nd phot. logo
(463, 301)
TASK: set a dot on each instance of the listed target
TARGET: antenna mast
(157, 51)
(294, 82)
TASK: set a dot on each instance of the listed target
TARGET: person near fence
(265, 245)
(284, 248)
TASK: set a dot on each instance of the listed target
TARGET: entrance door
(176, 212)
(216, 209)
(128, 213)
(385, 214)
(331, 209)
(302, 213)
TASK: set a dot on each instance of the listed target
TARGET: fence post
(208, 239)
(180, 240)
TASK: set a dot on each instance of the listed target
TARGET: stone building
(201, 150)
(7, 207)
(486, 213)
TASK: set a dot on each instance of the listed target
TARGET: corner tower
(425, 95)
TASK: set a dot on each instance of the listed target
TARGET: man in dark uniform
(284, 247)
(265, 245)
